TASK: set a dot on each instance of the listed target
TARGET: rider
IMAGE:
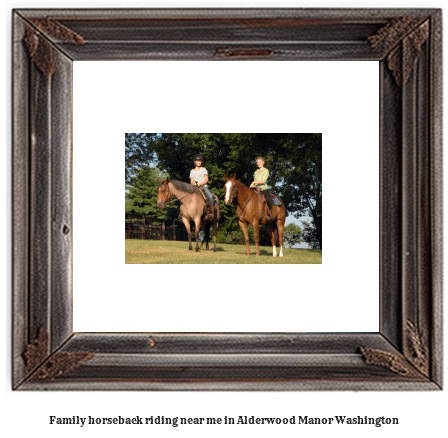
(199, 177)
(260, 178)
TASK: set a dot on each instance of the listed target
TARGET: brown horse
(192, 209)
(249, 212)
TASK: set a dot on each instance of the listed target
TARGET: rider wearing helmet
(199, 178)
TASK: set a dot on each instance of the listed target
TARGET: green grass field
(157, 251)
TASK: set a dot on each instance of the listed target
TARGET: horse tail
(216, 219)
(217, 210)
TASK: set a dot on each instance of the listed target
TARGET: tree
(139, 152)
(292, 235)
(141, 194)
(310, 235)
(302, 179)
(246, 148)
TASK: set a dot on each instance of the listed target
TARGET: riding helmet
(198, 157)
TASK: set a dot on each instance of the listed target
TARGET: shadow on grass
(263, 252)
(211, 249)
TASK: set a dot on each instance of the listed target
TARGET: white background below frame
(339, 99)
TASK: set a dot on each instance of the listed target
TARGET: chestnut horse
(192, 209)
(249, 212)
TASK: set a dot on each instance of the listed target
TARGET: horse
(192, 209)
(249, 212)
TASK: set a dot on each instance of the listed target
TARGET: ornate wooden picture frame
(406, 353)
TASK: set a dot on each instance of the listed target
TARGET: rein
(170, 195)
(177, 199)
(242, 210)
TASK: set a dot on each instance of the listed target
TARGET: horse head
(164, 194)
(231, 189)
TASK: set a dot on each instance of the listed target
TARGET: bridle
(247, 202)
(235, 191)
(170, 195)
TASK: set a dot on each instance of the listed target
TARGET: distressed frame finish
(406, 354)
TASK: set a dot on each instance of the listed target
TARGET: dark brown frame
(406, 354)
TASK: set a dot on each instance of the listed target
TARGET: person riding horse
(260, 177)
(199, 178)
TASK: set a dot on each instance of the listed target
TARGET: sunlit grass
(165, 252)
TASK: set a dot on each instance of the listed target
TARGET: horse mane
(185, 187)
(239, 182)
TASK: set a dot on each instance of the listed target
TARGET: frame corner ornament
(37, 351)
(396, 363)
(40, 49)
(40, 365)
(401, 39)
(418, 350)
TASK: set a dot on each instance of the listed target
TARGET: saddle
(275, 198)
(264, 211)
(207, 208)
(277, 201)
(207, 202)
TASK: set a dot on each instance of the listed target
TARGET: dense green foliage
(292, 235)
(138, 153)
(141, 194)
(294, 162)
(310, 235)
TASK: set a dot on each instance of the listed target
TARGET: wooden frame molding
(406, 353)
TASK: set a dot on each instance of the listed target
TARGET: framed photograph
(50, 351)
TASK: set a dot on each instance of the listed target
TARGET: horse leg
(280, 228)
(206, 235)
(215, 222)
(256, 226)
(203, 240)
(187, 227)
(197, 227)
(270, 229)
(215, 229)
(243, 226)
